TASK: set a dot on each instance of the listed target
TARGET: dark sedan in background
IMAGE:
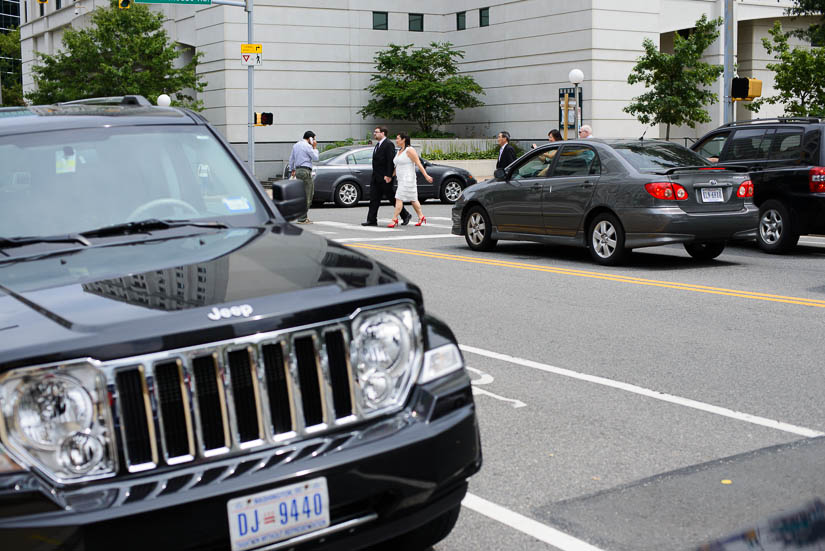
(610, 196)
(343, 175)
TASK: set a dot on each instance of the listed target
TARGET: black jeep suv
(181, 368)
(787, 164)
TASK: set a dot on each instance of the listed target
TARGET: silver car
(343, 175)
(610, 196)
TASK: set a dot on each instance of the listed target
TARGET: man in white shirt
(585, 132)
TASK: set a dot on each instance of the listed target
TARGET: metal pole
(578, 113)
(1, 86)
(251, 92)
(728, 73)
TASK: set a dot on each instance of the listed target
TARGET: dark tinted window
(380, 20)
(536, 165)
(575, 161)
(713, 146)
(786, 144)
(417, 22)
(649, 157)
(748, 144)
(461, 20)
(484, 17)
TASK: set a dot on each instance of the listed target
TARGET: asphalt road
(657, 405)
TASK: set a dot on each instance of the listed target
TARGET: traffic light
(42, 1)
(745, 89)
(263, 119)
(124, 4)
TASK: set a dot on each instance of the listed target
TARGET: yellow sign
(252, 49)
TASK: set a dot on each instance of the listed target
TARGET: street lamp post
(576, 77)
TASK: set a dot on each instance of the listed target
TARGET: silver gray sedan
(610, 196)
(343, 175)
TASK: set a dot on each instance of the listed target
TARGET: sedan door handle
(587, 184)
(536, 186)
(357, 171)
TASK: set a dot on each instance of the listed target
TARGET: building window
(461, 20)
(484, 17)
(57, 4)
(417, 22)
(9, 15)
(42, 9)
(380, 20)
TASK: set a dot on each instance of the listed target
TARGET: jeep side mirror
(500, 174)
(290, 198)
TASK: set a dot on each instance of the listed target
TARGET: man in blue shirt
(300, 164)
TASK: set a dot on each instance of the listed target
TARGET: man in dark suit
(381, 182)
(506, 154)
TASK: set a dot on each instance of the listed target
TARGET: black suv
(181, 368)
(787, 164)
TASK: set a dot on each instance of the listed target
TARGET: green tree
(816, 31)
(797, 77)
(675, 82)
(10, 69)
(420, 85)
(123, 52)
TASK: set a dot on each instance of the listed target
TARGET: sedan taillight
(667, 191)
(745, 189)
(816, 179)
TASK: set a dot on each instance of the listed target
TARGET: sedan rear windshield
(330, 153)
(655, 157)
(70, 181)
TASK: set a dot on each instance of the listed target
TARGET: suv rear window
(752, 143)
(786, 144)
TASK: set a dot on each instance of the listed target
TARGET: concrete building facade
(318, 59)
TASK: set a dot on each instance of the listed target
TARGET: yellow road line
(598, 275)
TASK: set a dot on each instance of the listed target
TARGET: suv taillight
(667, 191)
(745, 189)
(816, 179)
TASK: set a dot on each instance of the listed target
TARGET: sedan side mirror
(290, 197)
(500, 174)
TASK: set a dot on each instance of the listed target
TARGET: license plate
(712, 195)
(278, 514)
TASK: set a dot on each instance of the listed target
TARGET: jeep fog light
(57, 419)
(439, 362)
(386, 350)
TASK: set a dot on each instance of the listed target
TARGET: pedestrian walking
(300, 165)
(405, 162)
(585, 132)
(381, 182)
(506, 154)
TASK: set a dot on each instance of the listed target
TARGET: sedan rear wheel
(450, 191)
(606, 240)
(347, 194)
(705, 250)
(776, 232)
(478, 229)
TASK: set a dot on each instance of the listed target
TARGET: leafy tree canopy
(675, 82)
(10, 69)
(797, 76)
(816, 31)
(420, 85)
(123, 52)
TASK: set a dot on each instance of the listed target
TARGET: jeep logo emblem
(244, 310)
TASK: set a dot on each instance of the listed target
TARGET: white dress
(405, 174)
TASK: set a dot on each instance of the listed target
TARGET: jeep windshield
(67, 182)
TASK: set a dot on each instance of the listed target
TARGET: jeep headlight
(386, 352)
(57, 419)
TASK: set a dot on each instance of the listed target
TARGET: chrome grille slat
(310, 378)
(136, 419)
(209, 388)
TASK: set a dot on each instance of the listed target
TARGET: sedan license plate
(278, 514)
(712, 195)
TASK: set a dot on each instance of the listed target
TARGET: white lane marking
(486, 379)
(325, 232)
(399, 238)
(441, 218)
(687, 402)
(526, 525)
(352, 226)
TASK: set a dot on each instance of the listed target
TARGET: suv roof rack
(111, 100)
(776, 119)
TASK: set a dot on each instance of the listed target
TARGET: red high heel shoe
(422, 220)
(393, 224)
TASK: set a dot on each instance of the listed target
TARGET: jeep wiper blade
(10, 242)
(149, 224)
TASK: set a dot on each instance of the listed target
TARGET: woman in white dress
(405, 162)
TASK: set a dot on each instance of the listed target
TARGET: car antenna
(642, 137)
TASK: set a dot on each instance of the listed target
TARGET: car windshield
(654, 157)
(70, 181)
(330, 153)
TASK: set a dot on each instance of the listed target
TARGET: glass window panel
(417, 22)
(484, 17)
(380, 20)
(461, 20)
